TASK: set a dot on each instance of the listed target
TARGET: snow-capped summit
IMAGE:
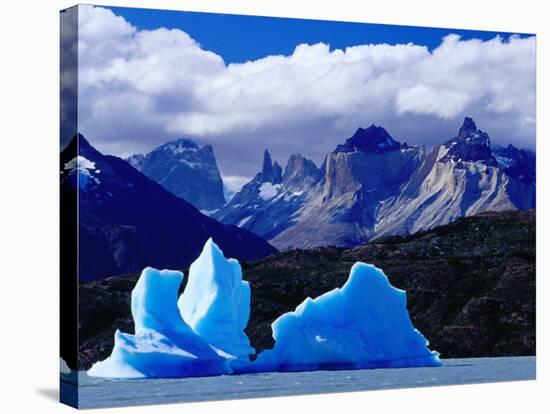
(187, 170)
(81, 169)
(373, 139)
(471, 144)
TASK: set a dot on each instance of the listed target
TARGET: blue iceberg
(216, 302)
(163, 346)
(365, 324)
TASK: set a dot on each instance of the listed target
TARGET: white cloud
(139, 89)
(234, 182)
(494, 76)
(422, 99)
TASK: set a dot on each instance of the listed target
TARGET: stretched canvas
(258, 207)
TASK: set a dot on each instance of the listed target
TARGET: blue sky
(240, 38)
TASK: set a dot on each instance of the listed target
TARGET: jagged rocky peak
(78, 163)
(80, 142)
(373, 139)
(468, 128)
(471, 144)
(186, 169)
(271, 171)
(178, 148)
(300, 172)
(80, 146)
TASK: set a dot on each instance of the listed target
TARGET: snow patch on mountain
(191, 164)
(268, 190)
(504, 162)
(209, 212)
(84, 170)
(182, 146)
(81, 163)
(243, 221)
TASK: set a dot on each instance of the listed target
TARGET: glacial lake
(97, 392)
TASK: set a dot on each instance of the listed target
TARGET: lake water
(96, 392)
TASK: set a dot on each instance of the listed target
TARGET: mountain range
(126, 221)
(153, 209)
(373, 186)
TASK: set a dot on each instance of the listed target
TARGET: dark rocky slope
(470, 287)
(127, 221)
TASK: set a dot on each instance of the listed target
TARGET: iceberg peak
(157, 311)
(211, 249)
(216, 301)
(364, 324)
(163, 344)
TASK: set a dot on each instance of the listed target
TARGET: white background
(29, 79)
